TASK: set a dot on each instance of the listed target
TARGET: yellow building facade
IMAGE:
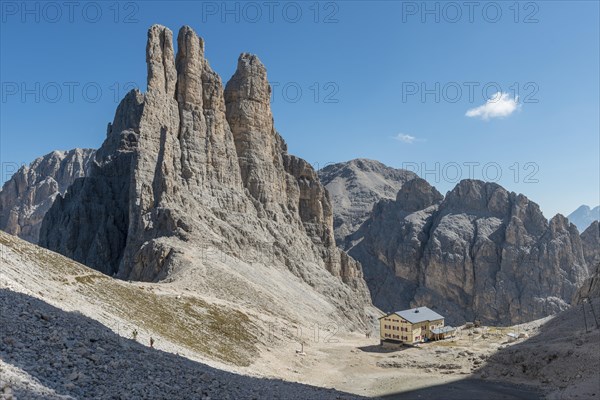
(410, 326)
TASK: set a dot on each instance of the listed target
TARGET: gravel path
(46, 353)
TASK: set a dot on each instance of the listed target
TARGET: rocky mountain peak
(560, 223)
(480, 253)
(29, 193)
(189, 170)
(189, 64)
(259, 147)
(417, 194)
(355, 186)
(160, 59)
(474, 195)
(365, 164)
(249, 82)
(590, 239)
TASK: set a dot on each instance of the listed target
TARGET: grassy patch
(89, 279)
(52, 263)
(215, 331)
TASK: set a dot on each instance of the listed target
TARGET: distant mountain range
(584, 216)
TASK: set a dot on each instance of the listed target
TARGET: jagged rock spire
(162, 75)
(248, 98)
(259, 147)
(182, 168)
(189, 63)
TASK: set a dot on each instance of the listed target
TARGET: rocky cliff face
(590, 288)
(29, 193)
(479, 253)
(590, 240)
(193, 180)
(355, 186)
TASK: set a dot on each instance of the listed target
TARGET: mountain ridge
(480, 252)
(29, 193)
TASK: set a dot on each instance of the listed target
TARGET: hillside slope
(67, 329)
(563, 358)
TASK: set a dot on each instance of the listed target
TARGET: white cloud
(405, 138)
(500, 105)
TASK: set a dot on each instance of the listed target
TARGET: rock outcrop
(192, 177)
(590, 288)
(479, 253)
(29, 193)
(355, 186)
(590, 240)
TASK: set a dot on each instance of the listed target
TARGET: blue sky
(391, 81)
